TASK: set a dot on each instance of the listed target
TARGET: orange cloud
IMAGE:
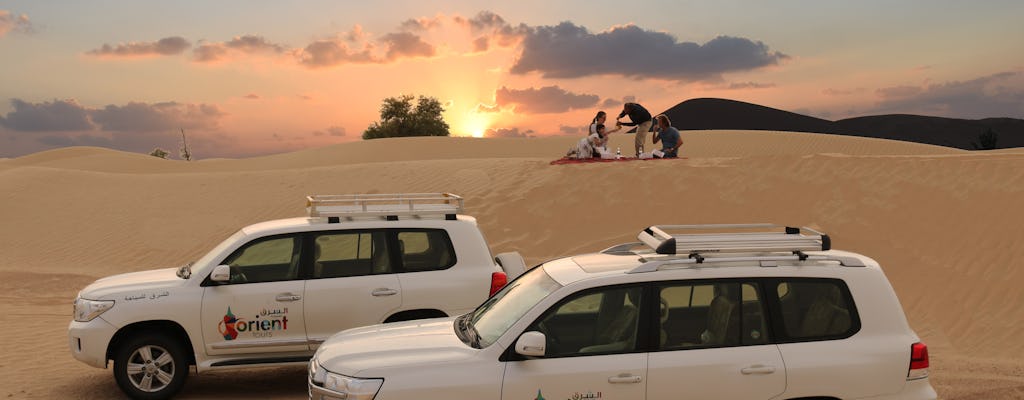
(9, 23)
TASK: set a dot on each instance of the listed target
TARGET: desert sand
(945, 224)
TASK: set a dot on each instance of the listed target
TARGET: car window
(595, 322)
(816, 309)
(265, 260)
(425, 250)
(346, 254)
(711, 314)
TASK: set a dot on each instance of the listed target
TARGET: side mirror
(531, 344)
(221, 274)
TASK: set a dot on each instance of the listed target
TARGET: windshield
(498, 313)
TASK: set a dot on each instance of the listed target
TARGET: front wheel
(150, 366)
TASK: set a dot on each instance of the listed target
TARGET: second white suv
(731, 312)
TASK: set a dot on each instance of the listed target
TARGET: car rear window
(816, 309)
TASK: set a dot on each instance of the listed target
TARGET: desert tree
(987, 140)
(159, 153)
(400, 118)
(184, 152)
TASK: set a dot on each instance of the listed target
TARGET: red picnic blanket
(566, 160)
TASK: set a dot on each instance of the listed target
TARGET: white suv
(273, 291)
(729, 312)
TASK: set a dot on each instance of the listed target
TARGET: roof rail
(652, 265)
(388, 206)
(732, 238)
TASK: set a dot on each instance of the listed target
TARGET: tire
(150, 366)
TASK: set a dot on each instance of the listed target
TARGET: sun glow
(473, 124)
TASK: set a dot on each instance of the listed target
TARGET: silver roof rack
(388, 206)
(651, 265)
(732, 238)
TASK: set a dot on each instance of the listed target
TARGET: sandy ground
(945, 224)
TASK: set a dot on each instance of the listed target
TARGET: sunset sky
(255, 77)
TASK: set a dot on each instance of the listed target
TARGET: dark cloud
(248, 44)
(490, 28)
(997, 95)
(405, 44)
(163, 47)
(252, 96)
(546, 100)
(750, 85)
(508, 133)
(11, 23)
(421, 24)
(570, 51)
(55, 116)
(143, 117)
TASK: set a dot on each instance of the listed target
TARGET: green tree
(988, 140)
(159, 153)
(398, 118)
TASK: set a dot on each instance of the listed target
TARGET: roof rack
(387, 206)
(732, 238)
(651, 265)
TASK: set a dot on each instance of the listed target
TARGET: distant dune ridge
(722, 114)
(945, 224)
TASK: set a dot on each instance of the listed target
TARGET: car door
(713, 343)
(592, 351)
(352, 284)
(260, 310)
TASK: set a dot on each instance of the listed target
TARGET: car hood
(133, 285)
(360, 351)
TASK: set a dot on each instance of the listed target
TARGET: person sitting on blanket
(669, 137)
(599, 139)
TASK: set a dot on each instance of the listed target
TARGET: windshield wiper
(467, 332)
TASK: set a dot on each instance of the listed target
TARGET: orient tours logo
(263, 325)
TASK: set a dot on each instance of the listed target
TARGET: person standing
(669, 137)
(638, 117)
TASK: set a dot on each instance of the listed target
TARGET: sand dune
(944, 223)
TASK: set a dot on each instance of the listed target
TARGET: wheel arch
(166, 327)
(408, 315)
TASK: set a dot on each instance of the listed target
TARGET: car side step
(268, 360)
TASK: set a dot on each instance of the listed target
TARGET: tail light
(918, 361)
(498, 281)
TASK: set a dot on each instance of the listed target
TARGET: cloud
(750, 85)
(407, 45)
(336, 131)
(486, 108)
(508, 133)
(842, 92)
(11, 23)
(488, 28)
(996, 95)
(571, 130)
(143, 117)
(422, 24)
(164, 47)
(570, 51)
(55, 116)
(607, 103)
(248, 44)
(252, 96)
(331, 52)
(546, 100)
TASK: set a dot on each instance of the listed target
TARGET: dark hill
(712, 114)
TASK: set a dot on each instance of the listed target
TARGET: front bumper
(88, 341)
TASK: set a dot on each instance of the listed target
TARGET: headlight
(86, 310)
(341, 386)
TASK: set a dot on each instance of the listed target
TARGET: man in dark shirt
(641, 119)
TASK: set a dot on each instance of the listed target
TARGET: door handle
(758, 370)
(384, 292)
(288, 297)
(625, 378)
